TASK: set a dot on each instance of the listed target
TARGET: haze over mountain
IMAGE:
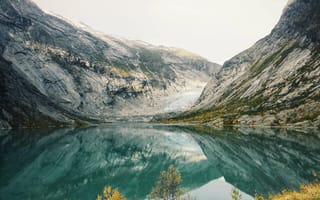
(52, 72)
(275, 82)
(214, 29)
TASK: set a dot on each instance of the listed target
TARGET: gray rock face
(275, 82)
(52, 72)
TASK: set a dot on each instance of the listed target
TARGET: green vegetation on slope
(231, 106)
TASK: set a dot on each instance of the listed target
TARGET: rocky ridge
(273, 83)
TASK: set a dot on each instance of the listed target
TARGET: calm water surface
(77, 163)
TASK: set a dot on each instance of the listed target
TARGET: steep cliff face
(54, 72)
(275, 82)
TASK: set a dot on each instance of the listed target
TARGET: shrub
(235, 194)
(111, 194)
(307, 192)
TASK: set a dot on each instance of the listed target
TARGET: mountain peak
(300, 17)
(23, 7)
(288, 4)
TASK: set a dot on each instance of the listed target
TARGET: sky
(215, 29)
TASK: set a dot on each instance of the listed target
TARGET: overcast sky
(214, 29)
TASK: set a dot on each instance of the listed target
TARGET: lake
(76, 163)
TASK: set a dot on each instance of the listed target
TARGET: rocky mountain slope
(52, 72)
(275, 82)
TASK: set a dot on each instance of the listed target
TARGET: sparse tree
(168, 186)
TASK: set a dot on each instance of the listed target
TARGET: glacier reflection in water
(76, 163)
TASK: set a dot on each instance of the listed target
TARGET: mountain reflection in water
(76, 163)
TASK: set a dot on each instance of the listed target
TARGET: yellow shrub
(307, 192)
(111, 194)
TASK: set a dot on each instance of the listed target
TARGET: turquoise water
(76, 163)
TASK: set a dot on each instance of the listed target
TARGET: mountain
(275, 82)
(53, 72)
